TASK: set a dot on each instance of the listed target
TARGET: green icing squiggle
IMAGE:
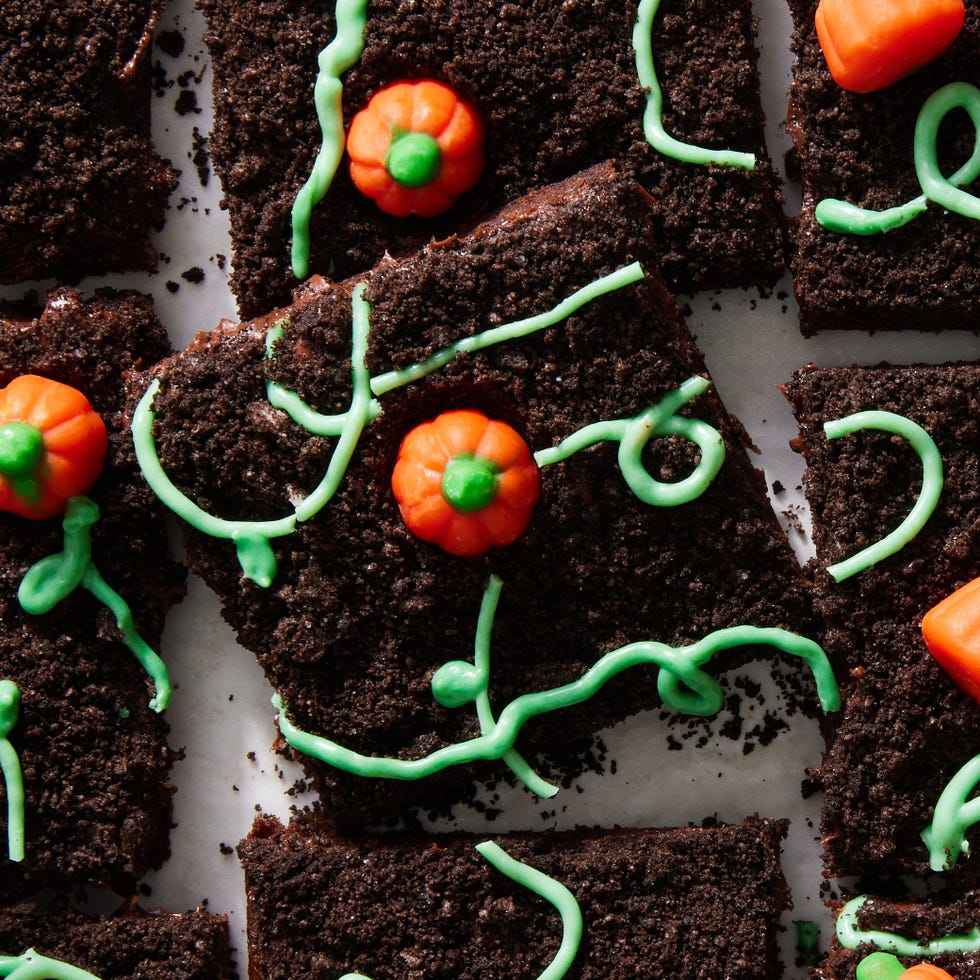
(342, 53)
(851, 935)
(653, 126)
(850, 219)
(547, 888)
(10, 768)
(945, 837)
(56, 577)
(932, 485)
(33, 966)
(682, 685)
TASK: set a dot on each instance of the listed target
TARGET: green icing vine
(849, 219)
(932, 485)
(10, 768)
(252, 538)
(33, 966)
(653, 126)
(56, 577)
(682, 685)
(945, 837)
(851, 936)
(547, 888)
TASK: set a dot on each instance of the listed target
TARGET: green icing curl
(33, 966)
(10, 768)
(682, 685)
(945, 837)
(932, 485)
(851, 936)
(849, 219)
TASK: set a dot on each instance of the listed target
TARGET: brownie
(858, 148)
(82, 183)
(558, 90)
(94, 755)
(919, 921)
(905, 728)
(361, 613)
(131, 943)
(653, 903)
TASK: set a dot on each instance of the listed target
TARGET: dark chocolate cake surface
(82, 183)
(858, 148)
(558, 91)
(653, 902)
(94, 756)
(361, 613)
(905, 728)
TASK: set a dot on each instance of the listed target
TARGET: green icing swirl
(932, 485)
(851, 935)
(340, 54)
(945, 837)
(653, 126)
(545, 887)
(682, 685)
(56, 577)
(849, 219)
(10, 768)
(33, 966)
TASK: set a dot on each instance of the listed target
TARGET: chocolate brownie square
(93, 755)
(82, 184)
(859, 149)
(131, 943)
(351, 614)
(905, 727)
(558, 90)
(653, 903)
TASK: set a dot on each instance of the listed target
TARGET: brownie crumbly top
(131, 943)
(905, 727)
(654, 903)
(557, 88)
(82, 184)
(858, 148)
(94, 756)
(361, 612)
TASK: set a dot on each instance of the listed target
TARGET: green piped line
(33, 966)
(551, 891)
(653, 126)
(13, 778)
(851, 935)
(945, 837)
(932, 485)
(337, 57)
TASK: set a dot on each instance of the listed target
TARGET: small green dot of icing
(469, 483)
(21, 449)
(414, 159)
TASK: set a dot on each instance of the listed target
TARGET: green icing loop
(849, 219)
(682, 685)
(879, 966)
(932, 485)
(550, 890)
(10, 767)
(56, 577)
(851, 935)
(33, 966)
(653, 126)
(945, 837)
(547, 888)
(340, 54)
(633, 435)
(252, 537)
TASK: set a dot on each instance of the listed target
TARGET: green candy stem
(879, 966)
(469, 483)
(10, 767)
(21, 454)
(414, 159)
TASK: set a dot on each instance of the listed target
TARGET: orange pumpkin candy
(415, 147)
(925, 971)
(52, 446)
(465, 482)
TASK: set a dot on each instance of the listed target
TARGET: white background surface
(220, 711)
